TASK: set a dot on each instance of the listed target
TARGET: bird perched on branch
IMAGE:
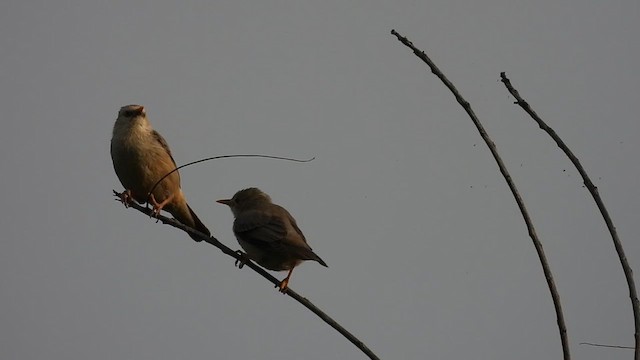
(141, 156)
(268, 233)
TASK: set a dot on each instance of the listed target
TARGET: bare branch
(226, 250)
(596, 196)
(525, 214)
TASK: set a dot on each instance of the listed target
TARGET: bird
(268, 233)
(141, 157)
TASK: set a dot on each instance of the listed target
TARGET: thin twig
(608, 346)
(225, 157)
(226, 250)
(628, 273)
(503, 169)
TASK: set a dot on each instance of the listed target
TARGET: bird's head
(246, 199)
(130, 118)
(131, 112)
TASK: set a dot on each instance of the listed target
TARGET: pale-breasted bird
(141, 156)
(268, 233)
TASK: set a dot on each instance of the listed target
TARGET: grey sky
(428, 256)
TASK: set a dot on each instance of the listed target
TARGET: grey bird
(268, 233)
(141, 156)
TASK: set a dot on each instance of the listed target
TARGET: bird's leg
(157, 207)
(285, 282)
(125, 198)
(241, 262)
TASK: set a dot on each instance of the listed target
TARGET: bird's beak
(140, 110)
(224, 201)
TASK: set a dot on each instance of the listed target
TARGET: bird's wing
(269, 233)
(260, 229)
(303, 249)
(295, 226)
(164, 144)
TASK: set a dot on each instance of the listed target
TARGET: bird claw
(125, 197)
(153, 214)
(241, 262)
(155, 207)
(283, 286)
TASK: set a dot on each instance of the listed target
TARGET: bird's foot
(242, 261)
(157, 207)
(124, 197)
(283, 286)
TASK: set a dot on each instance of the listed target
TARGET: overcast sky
(428, 255)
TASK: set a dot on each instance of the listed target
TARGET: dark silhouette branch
(242, 259)
(596, 196)
(503, 169)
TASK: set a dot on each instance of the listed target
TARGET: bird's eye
(133, 113)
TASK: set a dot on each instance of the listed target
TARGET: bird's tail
(198, 225)
(305, 253)
(313, 256)
(185, 215)
(319, 259)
